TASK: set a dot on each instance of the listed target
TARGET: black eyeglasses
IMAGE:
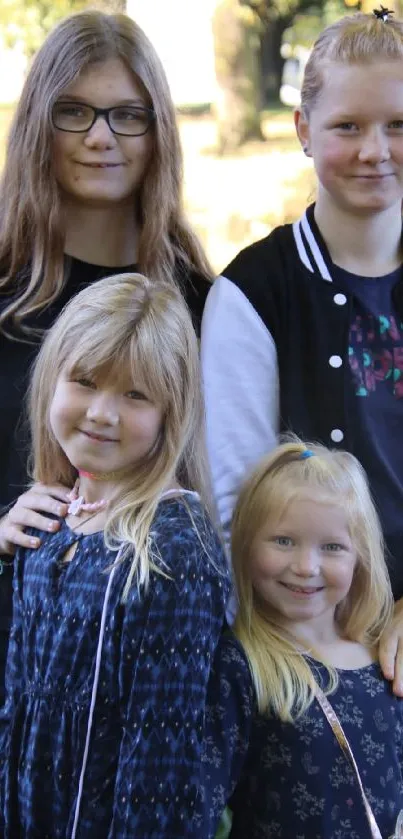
(126, 120)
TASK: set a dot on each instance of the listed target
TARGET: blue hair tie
(306, 453)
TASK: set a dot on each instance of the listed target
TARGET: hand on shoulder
(27, 512)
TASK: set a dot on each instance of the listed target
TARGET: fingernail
(60, 509)
(34, 542)
(53, 525)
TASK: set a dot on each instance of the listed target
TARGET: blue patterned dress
(293, 781)
(143, 774)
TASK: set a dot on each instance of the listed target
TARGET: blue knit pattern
(143, 773)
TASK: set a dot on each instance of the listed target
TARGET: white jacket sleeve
(240, 373)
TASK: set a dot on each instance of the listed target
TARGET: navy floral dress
(289, 781)
(143, 773)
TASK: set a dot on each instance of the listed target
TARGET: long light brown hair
(283, 680)
(32, 270)
(127, 322)
(354, 39)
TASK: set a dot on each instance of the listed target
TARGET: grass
(232, 201)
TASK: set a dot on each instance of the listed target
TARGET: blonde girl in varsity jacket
(303, 331)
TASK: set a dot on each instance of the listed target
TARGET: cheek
(62, 149)
(341, 576)
(145, 425)
(332, 155)
(55, 415)
(266, 566)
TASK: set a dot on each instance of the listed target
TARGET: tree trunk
(271, 60)
(238, 99)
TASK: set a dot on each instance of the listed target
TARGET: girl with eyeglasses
(91, 187)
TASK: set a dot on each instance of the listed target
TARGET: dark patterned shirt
(143, 773)
(292, 781)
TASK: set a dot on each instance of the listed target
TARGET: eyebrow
(73, 98)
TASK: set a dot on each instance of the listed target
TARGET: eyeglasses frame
(103, 112)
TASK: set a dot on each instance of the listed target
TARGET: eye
(396, 125)
(84, 382)
(347, 127)
(283, 541)
(136, 394)
(70, 109)
(333, 547)
(129, 114)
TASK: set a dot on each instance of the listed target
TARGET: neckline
(390, 278)
(360, 669)
(314, 252)
(165, 496)
(94, 266)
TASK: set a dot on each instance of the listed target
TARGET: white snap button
(335, 361)
(337, 435)
(340, 299)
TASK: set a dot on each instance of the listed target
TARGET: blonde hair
(355, 39)
(283, 680)
(32, 237)
(128, 322)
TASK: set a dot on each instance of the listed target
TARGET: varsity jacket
(275, 336)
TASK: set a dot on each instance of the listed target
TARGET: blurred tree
(236, 34)
(29, 21)
(247, 42)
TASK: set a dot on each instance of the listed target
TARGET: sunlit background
(244, 171)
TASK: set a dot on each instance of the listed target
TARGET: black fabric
(299, 309)
(16, 360)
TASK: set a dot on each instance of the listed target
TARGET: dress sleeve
(240, 374)
(230, 710)
(14, 678)
(164, 687)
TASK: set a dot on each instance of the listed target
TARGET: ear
(302, 129)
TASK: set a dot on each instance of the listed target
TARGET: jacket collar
(312, 249)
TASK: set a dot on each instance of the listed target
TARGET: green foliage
(307, 25)
(29, 21)
(225, 825)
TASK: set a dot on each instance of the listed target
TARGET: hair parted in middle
(128, 323)
(283, 680)
(31, 218)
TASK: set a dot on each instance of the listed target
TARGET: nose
(307, 562)
(103, 409)
(374, 146)
(100, 135)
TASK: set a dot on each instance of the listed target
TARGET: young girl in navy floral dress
(118, 612)
(314, 598)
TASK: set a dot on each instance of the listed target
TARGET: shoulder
(183, 530)
(259, 278)
(231, 679)
(262, 258)
(195, 288)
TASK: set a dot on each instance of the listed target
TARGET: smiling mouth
(374, 177)
(98, 437)
(100, 165)
(302, 589)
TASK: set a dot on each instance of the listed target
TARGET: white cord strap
(341, 738)
(93, 699)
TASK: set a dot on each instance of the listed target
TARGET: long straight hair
(283, 679)
(128, 323)
(32, 271)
